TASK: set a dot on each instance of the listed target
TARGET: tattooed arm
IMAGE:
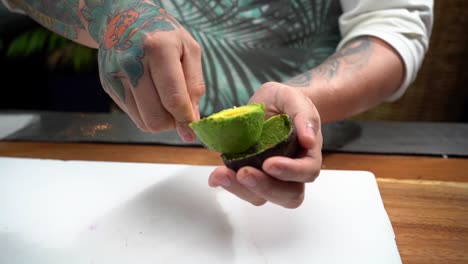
(356, 78)
(148, 63)
(61, 17)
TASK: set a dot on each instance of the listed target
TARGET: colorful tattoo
(59, 16)
(121, 37)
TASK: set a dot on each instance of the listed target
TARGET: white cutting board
(110, 213)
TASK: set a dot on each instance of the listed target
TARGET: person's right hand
(151, 67)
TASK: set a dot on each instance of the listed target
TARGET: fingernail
(197, 112)
(311, 129)
(248, 181)
(224, 181)
(186, 134)
(275, 171)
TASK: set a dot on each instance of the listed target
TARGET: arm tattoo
(351, 57)
(121, 35)
(59, 16)
(120, 28)
(301, 80)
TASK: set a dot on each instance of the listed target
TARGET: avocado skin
(287, 148)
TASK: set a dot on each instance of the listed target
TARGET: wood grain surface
(430, 219)
(426, 198)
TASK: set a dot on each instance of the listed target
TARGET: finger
(307, 124)
(197, 111)
(226, 178)
(192, 66)
(286, 194)
(131, 106)
(168, 75)
(153, 114)
(303, 169)
(298, 106)
(304, 114)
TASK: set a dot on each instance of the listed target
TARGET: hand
(282, 180)
(151, 67)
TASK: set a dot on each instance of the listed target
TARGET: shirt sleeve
(406, 25)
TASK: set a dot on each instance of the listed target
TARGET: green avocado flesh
(275, 130)
(232, 130)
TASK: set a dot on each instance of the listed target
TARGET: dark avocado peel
(244, 138)
(278, 138)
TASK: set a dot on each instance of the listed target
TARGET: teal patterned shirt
(249, 42)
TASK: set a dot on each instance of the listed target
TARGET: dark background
(31, 83)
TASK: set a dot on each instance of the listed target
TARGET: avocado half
(232, 130)
(278, 138)
(244, 138)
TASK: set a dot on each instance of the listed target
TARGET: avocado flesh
(278, 138)
(275, 130)
(232, 130)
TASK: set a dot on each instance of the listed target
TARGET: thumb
(303, 113)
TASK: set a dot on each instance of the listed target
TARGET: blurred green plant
(59, 50)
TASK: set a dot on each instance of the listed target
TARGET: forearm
(89, 22)
(64, 17)
(354, 79)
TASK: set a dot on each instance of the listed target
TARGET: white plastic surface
(107, 212)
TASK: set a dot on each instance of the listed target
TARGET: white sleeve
(406, 25)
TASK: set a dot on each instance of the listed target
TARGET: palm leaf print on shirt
(246, 42)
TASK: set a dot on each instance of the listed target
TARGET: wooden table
(425, 197)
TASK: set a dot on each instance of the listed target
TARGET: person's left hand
(283, 179)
